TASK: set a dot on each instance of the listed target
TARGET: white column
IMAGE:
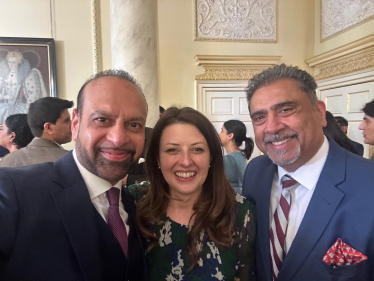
(134, 46)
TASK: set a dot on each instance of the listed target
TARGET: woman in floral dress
(197, 227)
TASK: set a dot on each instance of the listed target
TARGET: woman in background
(333, 130)
(15, 132)
(197, 227)
(232, 135)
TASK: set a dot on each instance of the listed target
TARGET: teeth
(185, 175)
(281, 142)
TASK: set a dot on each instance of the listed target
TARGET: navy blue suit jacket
(49, 227)
(358, 147)
(341, 207)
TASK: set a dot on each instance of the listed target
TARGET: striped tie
(279, 226)
(115, 221)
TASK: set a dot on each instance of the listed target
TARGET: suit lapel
(325, 200)
(78, 216)
(263, 201)
(137, 247)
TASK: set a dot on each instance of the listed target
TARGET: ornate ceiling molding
(233, 67)
(349, 58)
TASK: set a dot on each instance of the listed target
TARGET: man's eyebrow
(101, 113)
(273, 107)
(258, 112)
(107, 114)
(136, 118)
(282, 104)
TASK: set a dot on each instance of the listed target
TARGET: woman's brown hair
(214, 211)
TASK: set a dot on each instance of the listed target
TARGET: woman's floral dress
(168, 260)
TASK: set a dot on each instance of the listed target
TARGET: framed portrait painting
(27, 73)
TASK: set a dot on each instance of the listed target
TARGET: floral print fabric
(168, 260)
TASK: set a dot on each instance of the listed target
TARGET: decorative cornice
(349, 58)
(236, 61)
(233, 67)
(348, 65)
(228, 74)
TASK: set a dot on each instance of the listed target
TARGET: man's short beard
(111, 171)
(284, 162)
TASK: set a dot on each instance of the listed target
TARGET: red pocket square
(341, 254)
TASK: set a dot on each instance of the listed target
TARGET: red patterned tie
(279, 225)
(115, 221)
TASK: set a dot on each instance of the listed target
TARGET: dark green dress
(167, 260)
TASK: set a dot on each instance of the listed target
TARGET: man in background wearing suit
(72, 220)
(367, 126)
(49, 121)
(313, 198)
(343, 123)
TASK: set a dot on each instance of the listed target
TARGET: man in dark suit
(367, 126)
(313, 198)
(49, 121)
(343, 123)
(72, 220)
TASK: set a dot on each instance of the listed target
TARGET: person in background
(233, 134)
(15, 133)
(49, 121)
(333, 130)
(343, 123)
(197, 227)
(367, 126)
(314, 199)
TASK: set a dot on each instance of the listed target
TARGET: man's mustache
(278, 137)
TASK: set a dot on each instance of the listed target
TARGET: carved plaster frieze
(233, 67)
(347, 59)
(338, 16)
(236, 20)
(228, 74)
(349, 65)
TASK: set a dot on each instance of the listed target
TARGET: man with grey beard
(313, 198)
(72, 220)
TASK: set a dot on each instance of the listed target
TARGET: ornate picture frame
(235, 21)
(27, 73)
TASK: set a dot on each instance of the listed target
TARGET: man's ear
(321, 108)
(48, 128)
(12, 136)
(231, 135)
(75, 124)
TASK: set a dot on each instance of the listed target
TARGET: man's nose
(118, 135)
(273, 124)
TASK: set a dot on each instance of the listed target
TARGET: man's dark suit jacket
(341, 207)
(358, 147)
(49, 229)
(3, 151)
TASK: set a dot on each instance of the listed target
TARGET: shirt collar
(95, 185)
(50, 141)
(308, 174)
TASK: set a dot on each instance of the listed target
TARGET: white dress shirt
(97, 188)
(307, 177)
